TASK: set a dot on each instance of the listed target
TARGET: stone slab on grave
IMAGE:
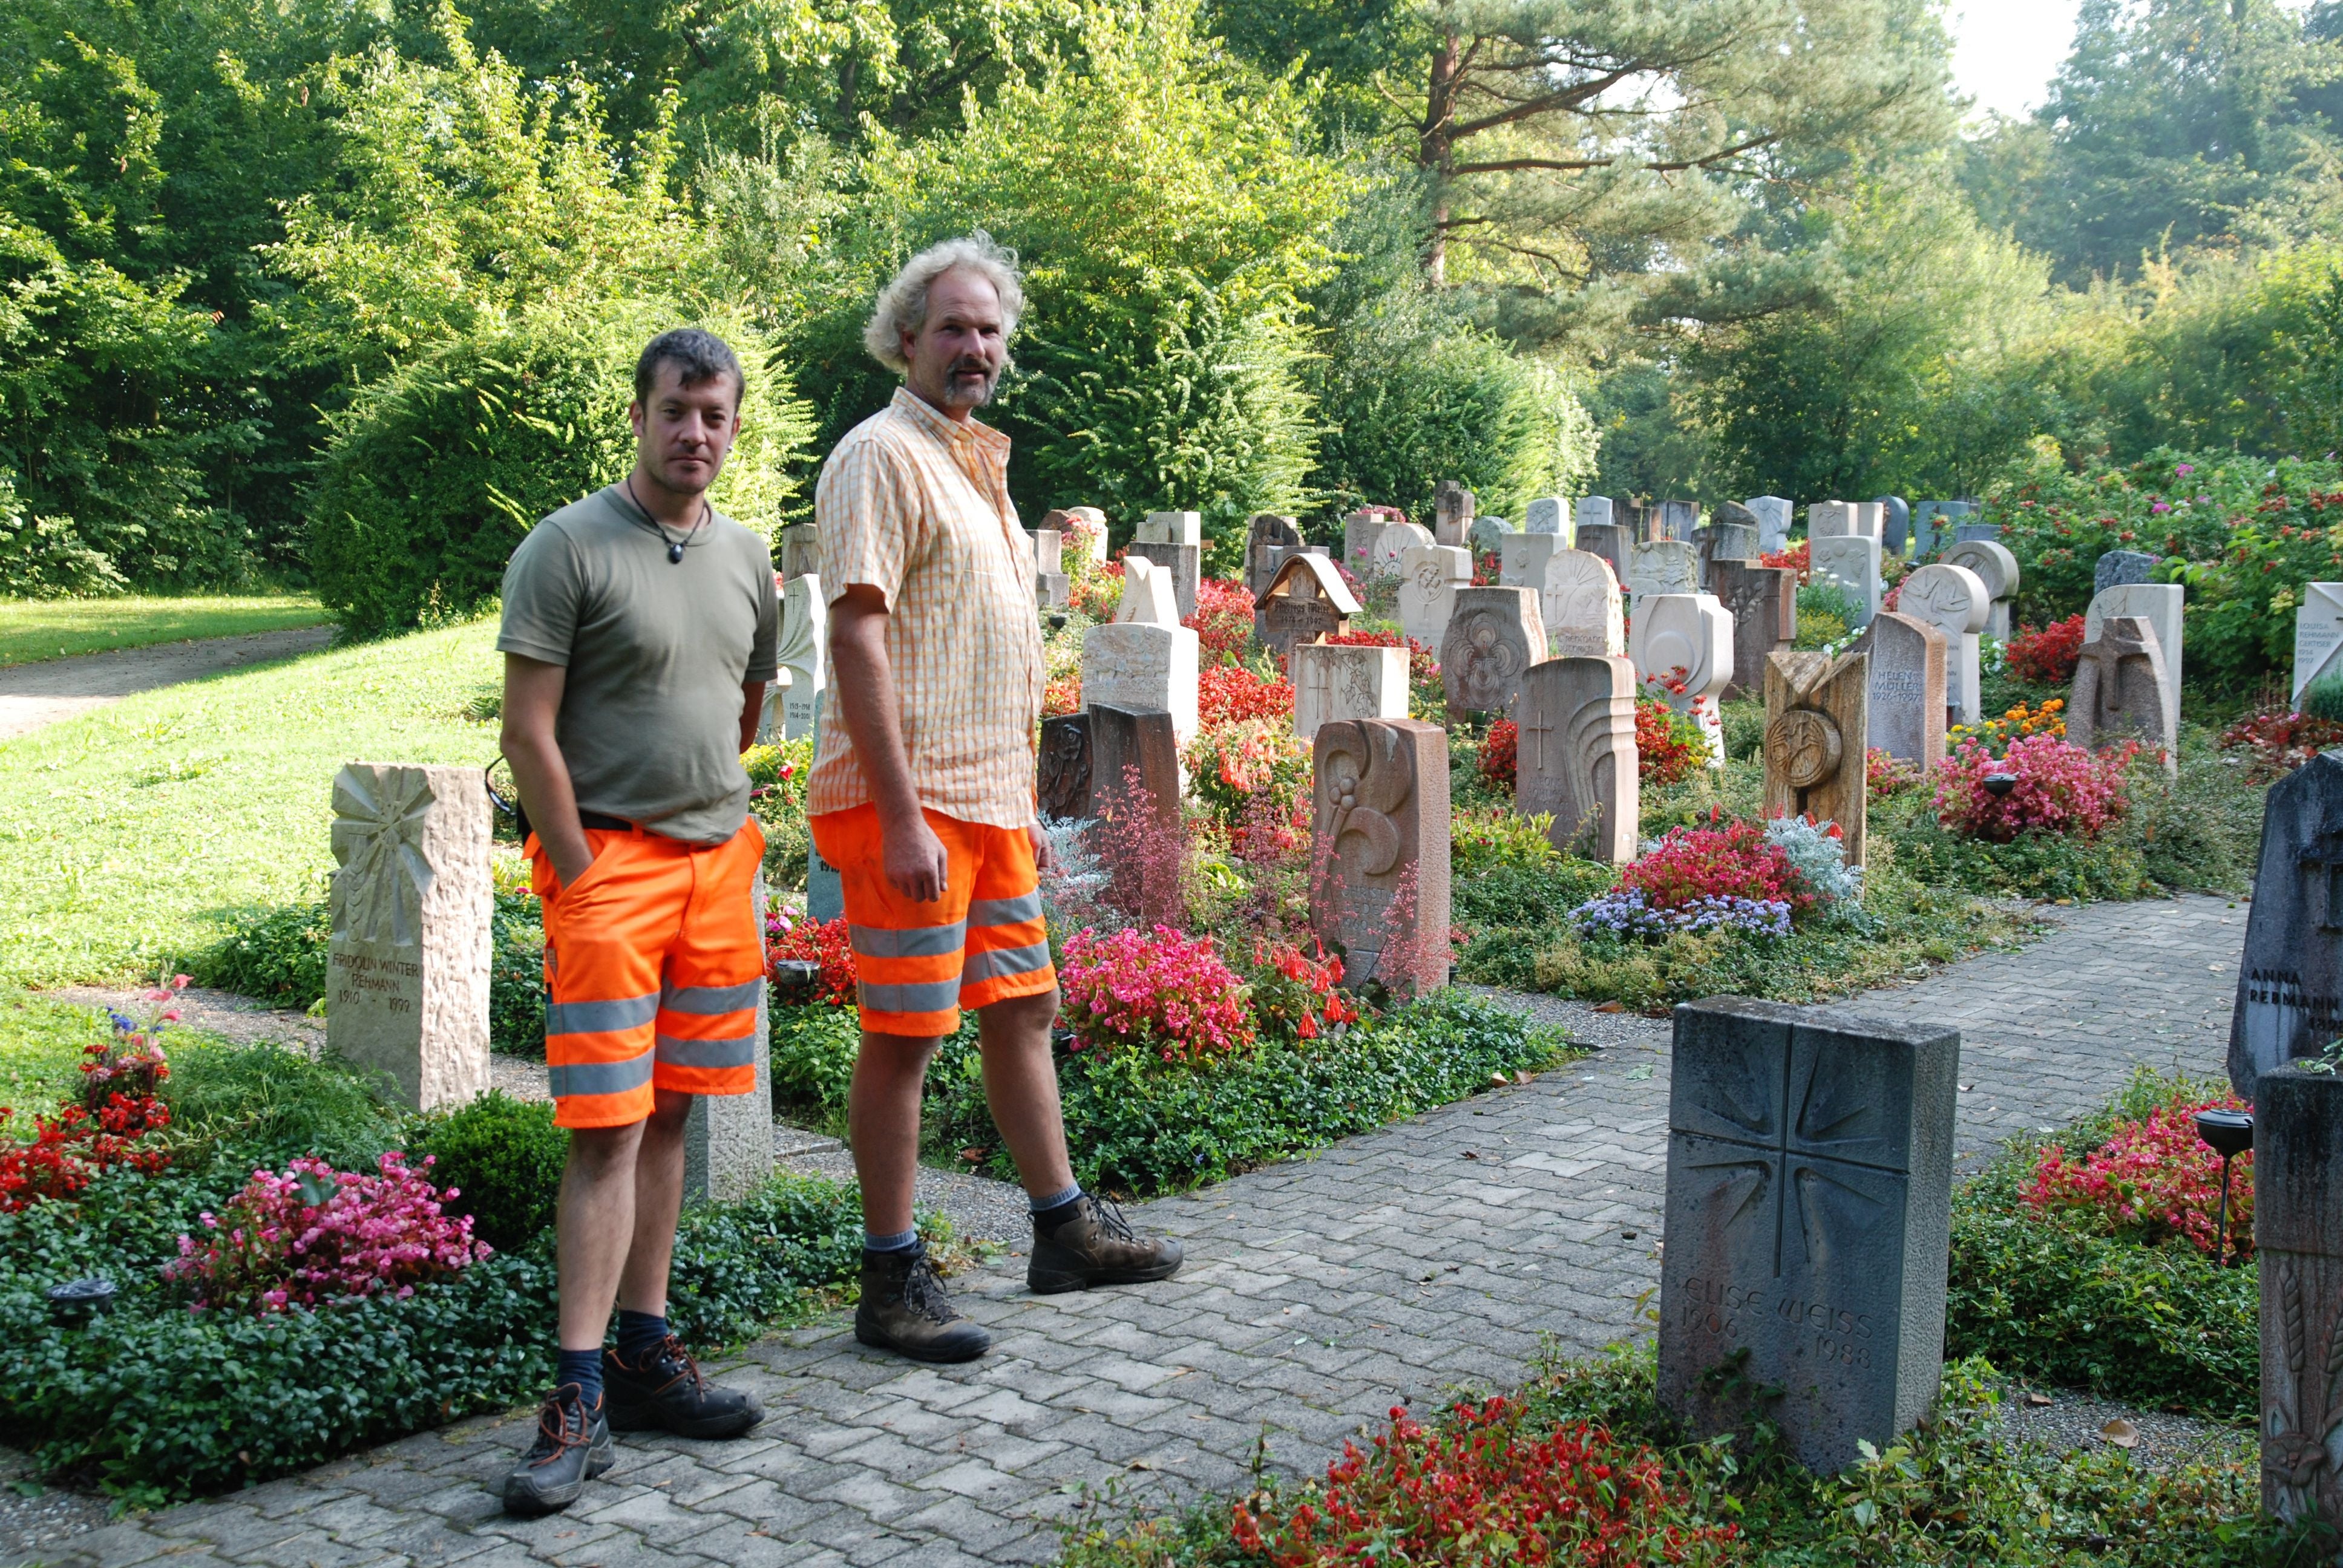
(1687, 640)
(1997, 569)
(1171, 528)
(1393, 543)
(1830, 520)
(1851, 562)
(1184, 564)
(1577, 757)
(1053, 590)
(2119, 568)
(1082, 528)
(797, 550)
(1359, 531)
(1764, 604)
(1049, 550)
(1061, 768)
(2159, 604)
(1265, 530)
(1307, 599)
(2290, 999)
(1817, 730)
(1907, 688)
(802, 650)
(1429, 578)
(1773, 514)
(1895, 524)
(1677, 519)
(407, 976)
(1135, 785)
(1487, 535)
(1661, 567)
(1522, 561)
(1494, 636)
(1609, 540)
(2122, 690)
(1592, 511)
(1379, 822)
(1969, 532)
(2299, 1256)
(1141, 662)
(2317, 633)
(1581, 607)
(727, 1138)
(1334, 683)
(1549, 515)
(1452, 512)
(1953, 599)
(1809, 1223)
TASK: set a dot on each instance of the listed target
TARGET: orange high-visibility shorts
(918, 964)
(654, 973)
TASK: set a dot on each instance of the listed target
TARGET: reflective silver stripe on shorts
(932, 996)
(738, 1052)
(600, 1016)
(917, 942)
(1004, 962)
(1013, 912)
(709, 1000)
(600, 1077)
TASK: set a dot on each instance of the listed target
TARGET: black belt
(601, 822)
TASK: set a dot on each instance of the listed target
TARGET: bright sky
(2005, 52)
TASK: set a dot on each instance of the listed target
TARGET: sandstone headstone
(2158, 604)
(1452, 512)
(1609, 540)
(1593, 511)
(1487, 535)
(1135, 785)
(407, 977)
(1580, 605)
(1082, 526)
(2121, 690)
(1817, 727)
(1148, 599)
(1521, 562)
(1140, 663)
(1061, 768)
(2317, 633)
(1830, 520)
(1393, 543)
(1809, 1223)
(1307, 599)
(797, 550)
(1576, 757)
(1907, 688)
(1851, 561)
(1268, 531)
(1548, 515)
(1997, 569)
(1378, 887)
(2299, 1256)
(1183, 565)
(1772, 522)
(1494, 636)
(727, 1138)
(1764, 604)
(1663, 567)
(1895, 523)
(1686, 639)
(1053, 590)
(2119, 568)
(804, 655)
(1171, 528)
(1334, 683)
(1048, 551)
(2290, 980)
(1953, 599)
(1429, 578)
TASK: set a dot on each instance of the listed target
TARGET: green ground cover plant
(41, 1045)
(32, 630)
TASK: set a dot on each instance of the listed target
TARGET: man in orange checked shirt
(922, 795)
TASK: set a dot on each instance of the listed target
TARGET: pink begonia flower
(2183, 468)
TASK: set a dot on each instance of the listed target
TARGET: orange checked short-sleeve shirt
(916, 505)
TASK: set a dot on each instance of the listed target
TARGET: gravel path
(35, 695)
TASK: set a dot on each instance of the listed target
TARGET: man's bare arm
(532, 703)
(752, 711)
(862, 697)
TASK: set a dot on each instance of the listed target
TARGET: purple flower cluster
(1623, 914)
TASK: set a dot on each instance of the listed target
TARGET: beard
(960, 394)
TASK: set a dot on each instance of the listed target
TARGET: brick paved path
(1318, 1294)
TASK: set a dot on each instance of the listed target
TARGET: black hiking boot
(668, 1392)
(572, 1447)
(904, 1309)
(1098, 1247)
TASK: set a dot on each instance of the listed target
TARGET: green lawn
(125, 834)
(34, 629)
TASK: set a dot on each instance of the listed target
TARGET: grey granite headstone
(1548, 515)
(1773, 514)
(1677, 520)
(1487, 535)
(1906, 688)
(2298, 1255)
(1593, 511)
(2290, 980)
(1612, 541)
(1968, 531)
(1809, 1197)
(1895, 523)
(2120, 568)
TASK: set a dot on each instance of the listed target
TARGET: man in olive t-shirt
(639, 628)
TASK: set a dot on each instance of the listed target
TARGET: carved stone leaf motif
(1807, 747)
(1364, 781)
(378, 844)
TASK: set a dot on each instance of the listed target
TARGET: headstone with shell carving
(1494, 636)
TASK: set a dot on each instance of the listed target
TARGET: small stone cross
(1543, 728)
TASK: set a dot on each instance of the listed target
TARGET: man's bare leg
(882, 1124)
(659, 1200)
(594, 1225)
(1020, 1088)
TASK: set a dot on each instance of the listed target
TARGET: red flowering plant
(824, 944)
(2153, 1181)
(2054, 788)
(1885, 774)
(1233, 693)
(1222, 620)
(1098, 592)
(1062, 695)
(1500, 758)
(106, 1125)
(2276, 741)
(1166, 993)
(1798, 557)
(1726, 860)
(1491, 1484)
(2046, 656)
(1296, 995)
(1669, 746)
(314, 1236)
(1252, 776)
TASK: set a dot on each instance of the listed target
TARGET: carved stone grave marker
(1772, 513)
(1576, 755)
(2298, 1255)
(2290, 980)
(1307, 599)
(1817, 727)
(1452, 512)
(2121, 690)
(1379, 888)
(1429, 578)
(1182, 565)
(1906, 688)
(2159, 605)
(1665, 566)
(1334, 683)
(1061, 768)
(1494, 636)
(1487, 535)
(1392, 544)
(1548, 515)
(1851, 561)
(1764, 604)
(2317, 633)
(1135, 785)
(1083, 528)
(1143, 661)
(1997, 569)
(1895, 524)
(1592, 511)
(1265, 530)
(1953, 599)
(2120, 568)
(1610, 541)
(1580, 605)
(1685, 638)
(1521, 559)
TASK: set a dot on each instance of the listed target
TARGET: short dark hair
(702, 355)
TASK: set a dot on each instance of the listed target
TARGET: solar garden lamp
(794, 980)
(1999, 785)
(2228, 1133)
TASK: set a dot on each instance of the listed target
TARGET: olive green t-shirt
(656, 653)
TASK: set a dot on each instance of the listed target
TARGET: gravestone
(1764, 604)
(1487, 535)
(1145, 661)
(727, 1138)
(1493, 635)
(1809, 1223)
(1610, 541)
(1997, 569)
(1049, 550)
(1576, 758)
(2290, 979)
(1181, 564)
(1817, 727)
(1171, 528)
(2121, 690)
(802, 650)
(1452, 512)
(407, 974)
(1850, 561)
(825, 897)
(1428, 582)
(1663, 567)
(1265, 530)
(1396, 540)
(1967, 532)
(1135, 785)
(1686, 639)
(1830, 520)
(797, 550)
(1053, 590)
(2298, 1256)
(1953, 599)
(1773, 514)
(1359, 531)
(1895, 524)
(1678, 519)
(1307, 599)
(1580, 605)
(1722, 541)
(1061, 768)
(1907, 695)
(1379, 888)
(1523, 561)
(1592, 511)
(1548, 515)
(2317, 633)
(1334, 683)
(1925, 529)
(2158, 604)
(2119, 568)
(1738, 533)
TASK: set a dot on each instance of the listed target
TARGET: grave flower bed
(2045, 656)
(1233, 693)
(2272, 743)
(1669, 747)
(1222, 620)
(2056, 789)
(1733, 876)
(1161, 992)
(1252, 776)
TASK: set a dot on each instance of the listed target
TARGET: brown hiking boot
(573, 1446)
(1098, 1247)
(904, 1309)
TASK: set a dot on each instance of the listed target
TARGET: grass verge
(32, 630)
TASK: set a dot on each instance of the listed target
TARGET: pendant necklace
(674, 545)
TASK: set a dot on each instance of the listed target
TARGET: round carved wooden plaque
(1805, 747)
